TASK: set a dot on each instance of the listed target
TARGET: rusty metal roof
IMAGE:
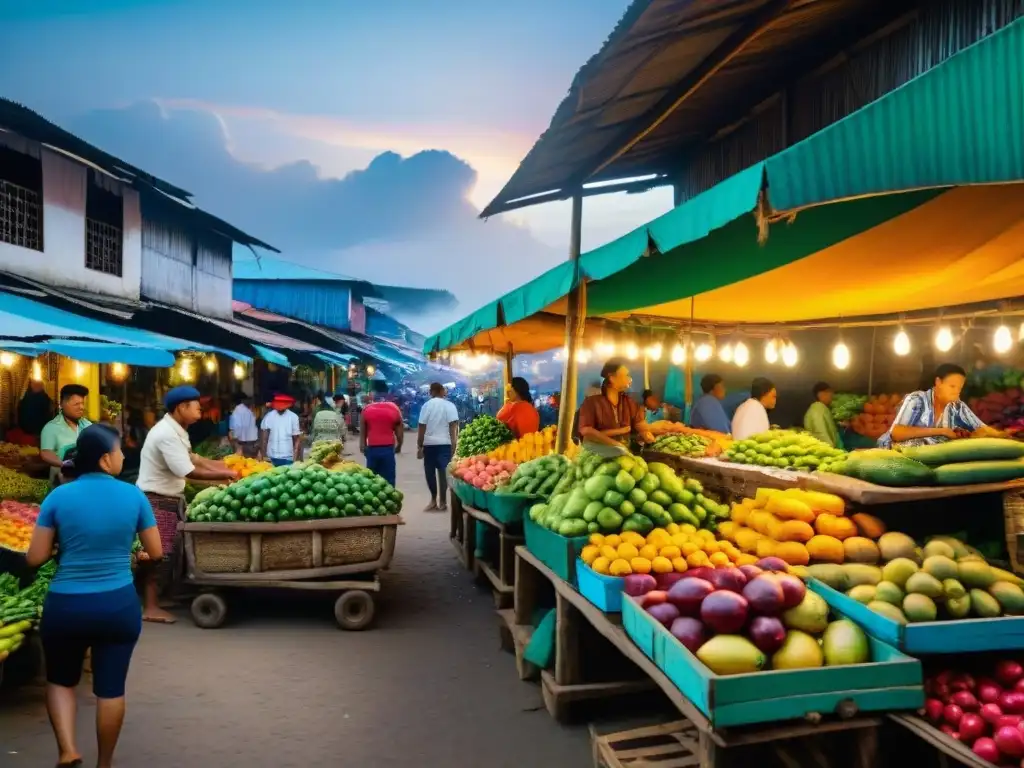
(674, 72)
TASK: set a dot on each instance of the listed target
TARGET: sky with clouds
(362, 138)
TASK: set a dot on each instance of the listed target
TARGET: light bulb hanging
(841, 356)
(725, 353)
(790, 356)
(678, 354)
(771, 352)
(944, 339)
(654, 351)
(6, 359)
(740, 354)
(632, 351)
(119, 371)
(37, 371)
(901, 343)
(1002, 340)
(210, 364)
(239, 371)
(703, 352)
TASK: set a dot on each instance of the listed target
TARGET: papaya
(836, 527)
(788, 508)
(792, 530)
(746, 539)
(792, 552)
(821, 502)
(826, 549)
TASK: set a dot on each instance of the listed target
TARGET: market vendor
(612, 416)
(519, 413)
(166, 463)
(819, 420)
(751, 418)
(35, 409)
(62, 431)
(937, 414)
(708, 411)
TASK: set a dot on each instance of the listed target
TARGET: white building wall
(169, 275)
(62, 261)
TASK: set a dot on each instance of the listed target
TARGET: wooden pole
(575, 321)
(871, 363)
(647, 370)
(509, 356)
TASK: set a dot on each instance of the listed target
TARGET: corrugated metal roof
(672, 73)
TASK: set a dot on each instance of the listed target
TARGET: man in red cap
(280, 434)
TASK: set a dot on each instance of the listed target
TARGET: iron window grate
(103, 247)
(20, 216)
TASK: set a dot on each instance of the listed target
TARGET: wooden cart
(340, 555)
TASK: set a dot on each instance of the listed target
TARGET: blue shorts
(281, 462)
(381, 461)
(108, 623)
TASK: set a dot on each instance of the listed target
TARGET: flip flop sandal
(72, 764)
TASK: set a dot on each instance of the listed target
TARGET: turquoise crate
(1005, 633)
(463, 490)
(558, 553)
(479, 498)
(891, 682)
(510, 508)
(603, 591)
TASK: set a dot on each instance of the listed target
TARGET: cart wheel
(354, 610)
(209, 611)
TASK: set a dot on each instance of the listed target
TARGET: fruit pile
(298, 492)
(673, 549)
(877, 416)
(14, 456)
(483, 472)
(846, 405)
(326, 452)
(17, 522)
(686, 445)
(528, 447)
(481, 436)
(985, 712)
(540, 476)
(784, 449)
(246, 467)
(751, 618)
(21, 609)
(955, 462)
(801, 527)
(675, 428)
(19, 487)
(609, 495)
(943, 581)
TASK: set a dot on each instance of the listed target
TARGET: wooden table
(560, 688)
(500, 575)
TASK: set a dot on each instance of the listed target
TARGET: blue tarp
(272, 356)
(94, 352)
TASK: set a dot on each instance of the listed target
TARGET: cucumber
(974, 472)
(963, 451)
(887, 468)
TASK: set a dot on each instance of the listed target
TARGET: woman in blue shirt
(92, 603)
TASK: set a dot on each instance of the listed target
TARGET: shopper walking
(436, 435)
(91, 604)
(281, 433)
(166, 462)
(380, 436)
(242, 431)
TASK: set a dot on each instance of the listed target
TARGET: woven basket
(1013, 516)
(286, 551)
(221, 552)
(347, 546)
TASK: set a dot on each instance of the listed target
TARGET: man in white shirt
(438, 432)
(751, 418)
(242, 431)
(166, 463)
(281, 435)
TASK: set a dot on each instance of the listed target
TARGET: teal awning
(93, 352)
(960, 123)
(272, 356)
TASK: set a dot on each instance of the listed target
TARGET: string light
(771, 352)
(654, 351)
(37, 371)
(6, 359)
(632, 351)
(740, 354)
(239, 371)
(725, 353)
(703, 352)
(678, 354)
(210, 364)
(841, 356)
(119, 371)
(901, 343)
(1002, 340)
(944, 339)
(790, 356)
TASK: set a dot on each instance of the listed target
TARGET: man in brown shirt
(612, 416)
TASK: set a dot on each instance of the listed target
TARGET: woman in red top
(518, 413)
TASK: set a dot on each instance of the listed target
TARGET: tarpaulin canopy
(272, 356)
(93, 352)
(960, 124)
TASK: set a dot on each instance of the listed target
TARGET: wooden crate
(264, 552)
(669, 745)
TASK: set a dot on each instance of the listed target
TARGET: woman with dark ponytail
(92, 603)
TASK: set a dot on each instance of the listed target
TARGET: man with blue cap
(166, 463)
